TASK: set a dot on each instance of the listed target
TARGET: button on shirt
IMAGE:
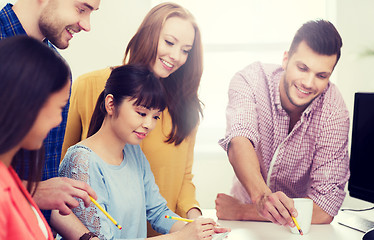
(310, 161)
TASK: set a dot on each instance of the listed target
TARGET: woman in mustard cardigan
(169, 42)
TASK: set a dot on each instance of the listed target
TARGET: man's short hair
(319, 35)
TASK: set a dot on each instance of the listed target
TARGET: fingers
(81, 190)
(221, 229)
(205, 221)
(228, 207)
(205, 227)
(61, 193)
(82, 186)
(277, 208)
(64, 210)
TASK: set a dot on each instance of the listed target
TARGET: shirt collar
(12, 26)
(10, 22)
(277, 100)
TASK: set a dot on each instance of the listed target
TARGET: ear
(109, 104)
(285, 60)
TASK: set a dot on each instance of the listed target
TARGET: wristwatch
(88, 236)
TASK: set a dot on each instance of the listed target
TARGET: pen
(297, 226)
(106, 213)
(179, 219)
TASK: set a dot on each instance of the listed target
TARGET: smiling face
(306, 76)
(176, 41)
(131, 123)
(49, 117)
(60, 19)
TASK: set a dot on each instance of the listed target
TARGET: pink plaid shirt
(310, 161)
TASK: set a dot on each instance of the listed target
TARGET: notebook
(354, 221)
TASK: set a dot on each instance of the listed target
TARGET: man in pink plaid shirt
(287, 133)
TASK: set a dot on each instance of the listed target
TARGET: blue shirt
(128, 192)
(11, 26)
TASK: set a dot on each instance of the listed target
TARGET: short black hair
(321, 36)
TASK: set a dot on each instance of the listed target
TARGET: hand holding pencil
(297, 226)
(199, 228)
(277, 207)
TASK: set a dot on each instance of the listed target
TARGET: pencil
(106, 213)
(179, 219)
(297, 226)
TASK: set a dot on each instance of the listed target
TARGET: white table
(251, 230)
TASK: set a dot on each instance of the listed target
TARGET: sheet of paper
(220, 236)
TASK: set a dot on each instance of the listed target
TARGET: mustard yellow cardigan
(170, 164)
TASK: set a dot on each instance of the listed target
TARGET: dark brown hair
(30, 72)
(319, 35)
(129, 81)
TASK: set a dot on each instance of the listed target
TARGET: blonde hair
(181, 86)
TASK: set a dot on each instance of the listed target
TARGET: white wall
(112, 26)
(354, 71)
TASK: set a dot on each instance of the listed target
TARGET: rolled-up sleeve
(241, 114)
(330, 169)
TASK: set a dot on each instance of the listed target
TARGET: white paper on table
(220, 236)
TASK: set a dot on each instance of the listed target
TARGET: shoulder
(77, 148)
(258, 71)
(332, 106)
(261, 69)
(7, 16)
(92, 78)
(77, 162)
(256, 76)
(333, 100)
(9, 23)
(77, 155)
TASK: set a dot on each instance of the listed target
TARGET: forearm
(245, 163)
(248, 212)
(69, 226)
(194, 213)
(230, 208)
(177, 226)
(187, 204)
(174, 233)
(320, 216)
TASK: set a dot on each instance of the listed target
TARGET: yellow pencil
(106, 213)
(179, 219)
(297, 226)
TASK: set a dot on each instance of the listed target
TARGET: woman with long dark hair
(111, 162)
(169, 42)
(34, 88)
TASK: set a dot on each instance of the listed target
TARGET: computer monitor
(361, 181)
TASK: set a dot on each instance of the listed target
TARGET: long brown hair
(181, 86)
